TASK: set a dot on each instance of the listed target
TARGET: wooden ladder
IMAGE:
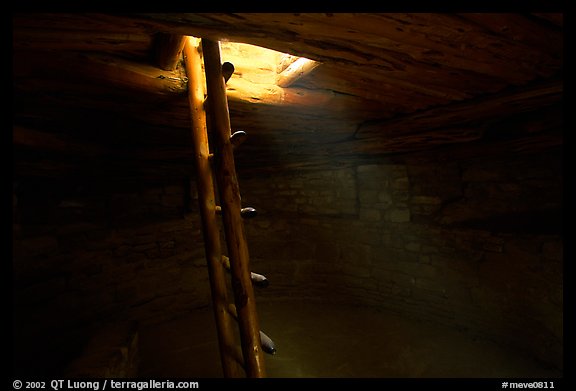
(211, 106)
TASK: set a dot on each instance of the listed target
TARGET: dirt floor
(315, 339)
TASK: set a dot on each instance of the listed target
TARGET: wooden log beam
(298, 69)
(434, 54)
(207, 203)
(167, 49)
(442, 56)
(58, 32)
(101, 69)
(231, 206)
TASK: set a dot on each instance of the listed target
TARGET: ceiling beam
(436, 54)
(167, 50)
(298, 69)
(100, 69)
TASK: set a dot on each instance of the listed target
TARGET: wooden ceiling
(88, 94)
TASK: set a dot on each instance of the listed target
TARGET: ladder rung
(238, 138)
(227, 71)
(248, 212)
(266, 342)
(257, 279)
(226, 262)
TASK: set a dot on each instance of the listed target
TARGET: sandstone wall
(473, 244)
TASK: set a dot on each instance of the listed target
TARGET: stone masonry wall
(88, 255)
(471, 244)
(474, 244)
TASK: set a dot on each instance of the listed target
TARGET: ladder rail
(225, 323)
(229, 192)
